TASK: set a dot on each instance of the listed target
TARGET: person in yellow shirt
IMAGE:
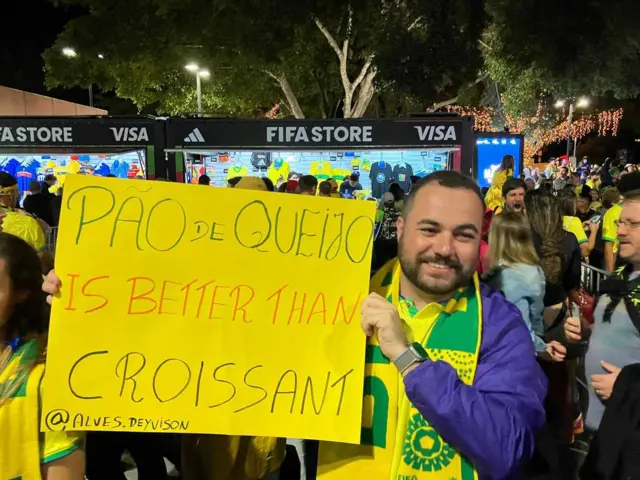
(572, 224)
(494, 198)
(18, 222)
(628, 183)
(25, 452)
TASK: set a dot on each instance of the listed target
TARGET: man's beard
(411, 269)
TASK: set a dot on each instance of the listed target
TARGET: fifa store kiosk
(380, 152)
(33, 147)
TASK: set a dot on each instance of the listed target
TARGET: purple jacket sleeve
(492, 422)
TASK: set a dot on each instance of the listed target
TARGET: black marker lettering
(338, 239)
(167, 215)
(308, 387)
(200, 224)
(84, 222)
(263, 238)
(255, 387)
(221, 380)
(137, 220)
(343, 380)
(293, 392)
(125, 373)
(73, 368)
(303, 234)
(213, 232)
(157, 373)
(367, 242)
(293, 236)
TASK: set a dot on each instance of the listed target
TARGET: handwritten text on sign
(192, 309)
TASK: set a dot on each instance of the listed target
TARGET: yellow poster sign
(198, 310)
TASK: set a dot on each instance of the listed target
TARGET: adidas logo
(195, 137)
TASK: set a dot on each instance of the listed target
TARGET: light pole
(200, 73)
(581, 103)
(71, 53)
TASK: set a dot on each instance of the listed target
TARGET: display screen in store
(27, 168)
(377, 169)
(489, 153)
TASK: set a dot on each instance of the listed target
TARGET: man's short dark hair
(7, 180)
(629, 183)
(50, 178)
(512, 184)
(354, 178)
(269, 184)
(447, 179)
(35, 187)
(308, 183)
(234, 181)
(325, 188)
(204, 180)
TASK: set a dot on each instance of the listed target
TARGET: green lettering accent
(376, 435)
(373, 354)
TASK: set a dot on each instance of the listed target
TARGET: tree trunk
(292, 100)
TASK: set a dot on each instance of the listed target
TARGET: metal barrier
(590, 278)
(52, 238)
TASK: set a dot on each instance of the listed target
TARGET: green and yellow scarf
(397, 442)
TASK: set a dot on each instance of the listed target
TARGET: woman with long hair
(494, 198)
(559, 255)
(515, 271)
(24, 314)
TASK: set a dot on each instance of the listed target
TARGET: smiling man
(452, 387)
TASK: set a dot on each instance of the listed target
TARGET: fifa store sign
(36, 134)
(350, 134)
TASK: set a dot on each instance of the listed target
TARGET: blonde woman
(515, 271)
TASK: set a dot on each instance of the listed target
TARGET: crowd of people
(488, 344)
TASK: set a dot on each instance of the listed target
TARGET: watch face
(420, 349)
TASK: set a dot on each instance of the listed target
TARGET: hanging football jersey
(321, 170)
(237, 170)
(278, 170)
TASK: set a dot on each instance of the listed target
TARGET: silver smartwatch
(415, 353)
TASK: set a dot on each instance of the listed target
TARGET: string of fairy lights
(538, 132)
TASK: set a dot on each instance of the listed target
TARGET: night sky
(29, 27)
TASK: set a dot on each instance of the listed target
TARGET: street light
(200, 73)
(69, 52)
(582, 102)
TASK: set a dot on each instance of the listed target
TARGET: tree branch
(328, 36)
(363, 72)
(438, 106)
(414, 23)
(365, 94)
(292, 100)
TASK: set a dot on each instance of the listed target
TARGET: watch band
(415, 353)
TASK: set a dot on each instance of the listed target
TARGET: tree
(316, 57)
(551, 50)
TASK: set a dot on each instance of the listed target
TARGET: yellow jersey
(321, 170)
(24, 448)
(237, 171)
(610, 227)
(24, 226)
(574, 225)
(275, 174)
